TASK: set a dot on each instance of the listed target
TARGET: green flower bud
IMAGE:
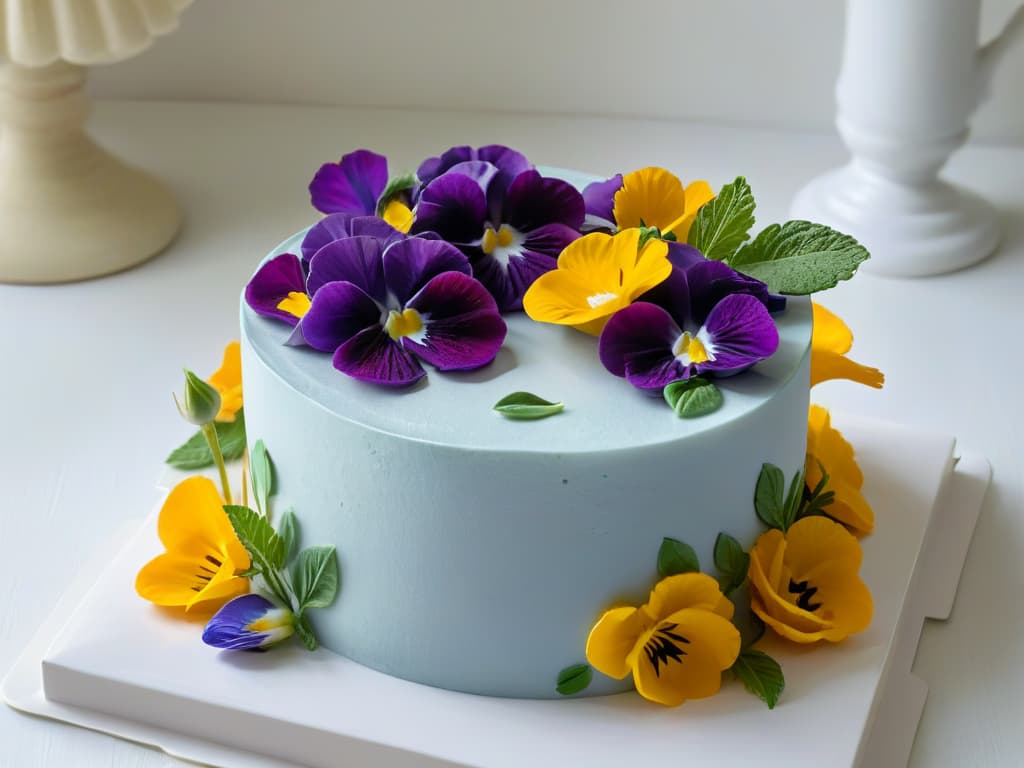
(201, 402)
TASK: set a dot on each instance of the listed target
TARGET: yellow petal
(829, 331)
(650, 197)
(398, 215)
(782, 628)
(687, 590)
(698, 194)
(178, 580)
(827, 446)
(192, 520)
(227, 380)
(772, 592)
(613, 639)
(831, 339)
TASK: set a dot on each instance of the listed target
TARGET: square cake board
(108, 661)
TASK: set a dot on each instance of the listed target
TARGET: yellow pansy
(204, 556)
(653, 197)
(227, 380)
(676, 645)
(597, 275)
(831, 339)
(804, 584)
(826, 447)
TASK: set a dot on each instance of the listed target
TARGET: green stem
(211, 438)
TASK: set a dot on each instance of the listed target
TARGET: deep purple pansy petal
(454, 207)
(741, 333)
(478, 170)
(641, 330)
(522, 271)
(494, 276)
(272, 283)
(534, 200)
(599, 201)
(652, 372)
(339, 225)
(374, 357)
(684, 255)
(463, 328)
(229, 628)
(549, 239)
(412, 263)
(338, 312)
(711, 281)
(357, 260)
(433, 167)
(508, 162)
(351, 185)
(673, 295)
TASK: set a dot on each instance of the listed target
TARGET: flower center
(501, 243)
(405, 323)
(295, 304)
(664, 646)
(806, 593)
(601, 298)
(691, 349)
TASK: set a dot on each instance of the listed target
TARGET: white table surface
(86, 370)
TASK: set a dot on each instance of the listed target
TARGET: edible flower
(676, 645)
(648, 197)
(512, 227)
(828, 451)
(831, 339)
(352, 185)
(804, 584)
(709, 320)
(248, 623)
(227, 380)
(203, 557)
(381, 306)
(338, 226)
(596, 276)
(278, 289)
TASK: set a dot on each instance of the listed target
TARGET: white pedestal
(106, 660)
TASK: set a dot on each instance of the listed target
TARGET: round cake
(476, 551)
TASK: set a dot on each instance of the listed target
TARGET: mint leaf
(723, 224)
(526, 406)
(732, 561)
(675, 556)
(195, 452)
(305, 633)
(396, 186)
(761, 675)
(768, 500)
(260, 540)
(315, 577)
(288, 530)
(262, 476)
(692, 397)
(574, 679)
(800, 257)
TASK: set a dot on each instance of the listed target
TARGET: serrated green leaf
(732, 561)
(692, 397)
(526, 406)
(260, 540)
(768, 499)
(315, 577)
(305, 633)
(262, 472)
(723, 224)
(195, 453)
(675, 556)
(396, 185)
(288, 530)
(800, 257)
(761, 675)
(574, 679)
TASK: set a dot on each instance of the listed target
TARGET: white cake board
(108, 661)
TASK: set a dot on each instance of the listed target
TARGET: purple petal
(351, 185)
(672, 295)
(522, 271)
(508, 162)
(495, 277)
(340, 225)
(412, 263)
(273, 282)
(684, 256)
(454, 206)
(433, 167)
(637, 343)
(373, 356)
(534, 200)
(711, 281)
(549, 239)
(599, 201)
(227, 628)
(357, 260)
(478, 170)
(741, 333)
(462, 326)
(338, 312)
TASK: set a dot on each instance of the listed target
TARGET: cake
(476, 551)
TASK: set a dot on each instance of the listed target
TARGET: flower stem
(211, 438)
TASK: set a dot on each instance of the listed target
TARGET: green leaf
(723, 224)
(288, 530)
(732, 561)
(675, 556)
(768, 500)
(800, 257)
(526, 405)
(574, 679)
(396, 185)
(262, 476)
(761, 675)
(692, 397)
(305, 633)
(201, 401)
(315, 577)
(260, 540)
(751, 629)
(195, 453)
(794, 498)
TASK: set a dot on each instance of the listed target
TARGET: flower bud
(201, 403)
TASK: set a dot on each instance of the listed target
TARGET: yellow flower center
(493, 240)
(601, 298)
(665, 645)
(295, 304)
(406, 323)
(399, 215)
(690, 349)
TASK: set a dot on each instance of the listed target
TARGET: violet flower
(352, 185)
(248, 623)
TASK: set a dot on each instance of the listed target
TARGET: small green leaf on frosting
(574, 679)
(526, 405)
(732, 561)
(288, 530)
(768, 499)
(260, 540)
(396, 185)
(761, 675)
(305, 633)
(195, 453)
(800, 257)
(262, 476)
(315, 577)
(676, 556)
(723, 224)
(692, 397)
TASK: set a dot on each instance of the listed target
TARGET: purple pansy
(338, 226)
(705, 319)
(382, 306)
(352, 185)
(599, 199)
(512, 227)
(248, 623)
(274, 282)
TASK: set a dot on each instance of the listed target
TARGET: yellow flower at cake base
(203, 557)
(597, 275)
(827, 449)
(653, 197)
(676, 645)
(227, 380)
(831, 339)
(805, 585)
